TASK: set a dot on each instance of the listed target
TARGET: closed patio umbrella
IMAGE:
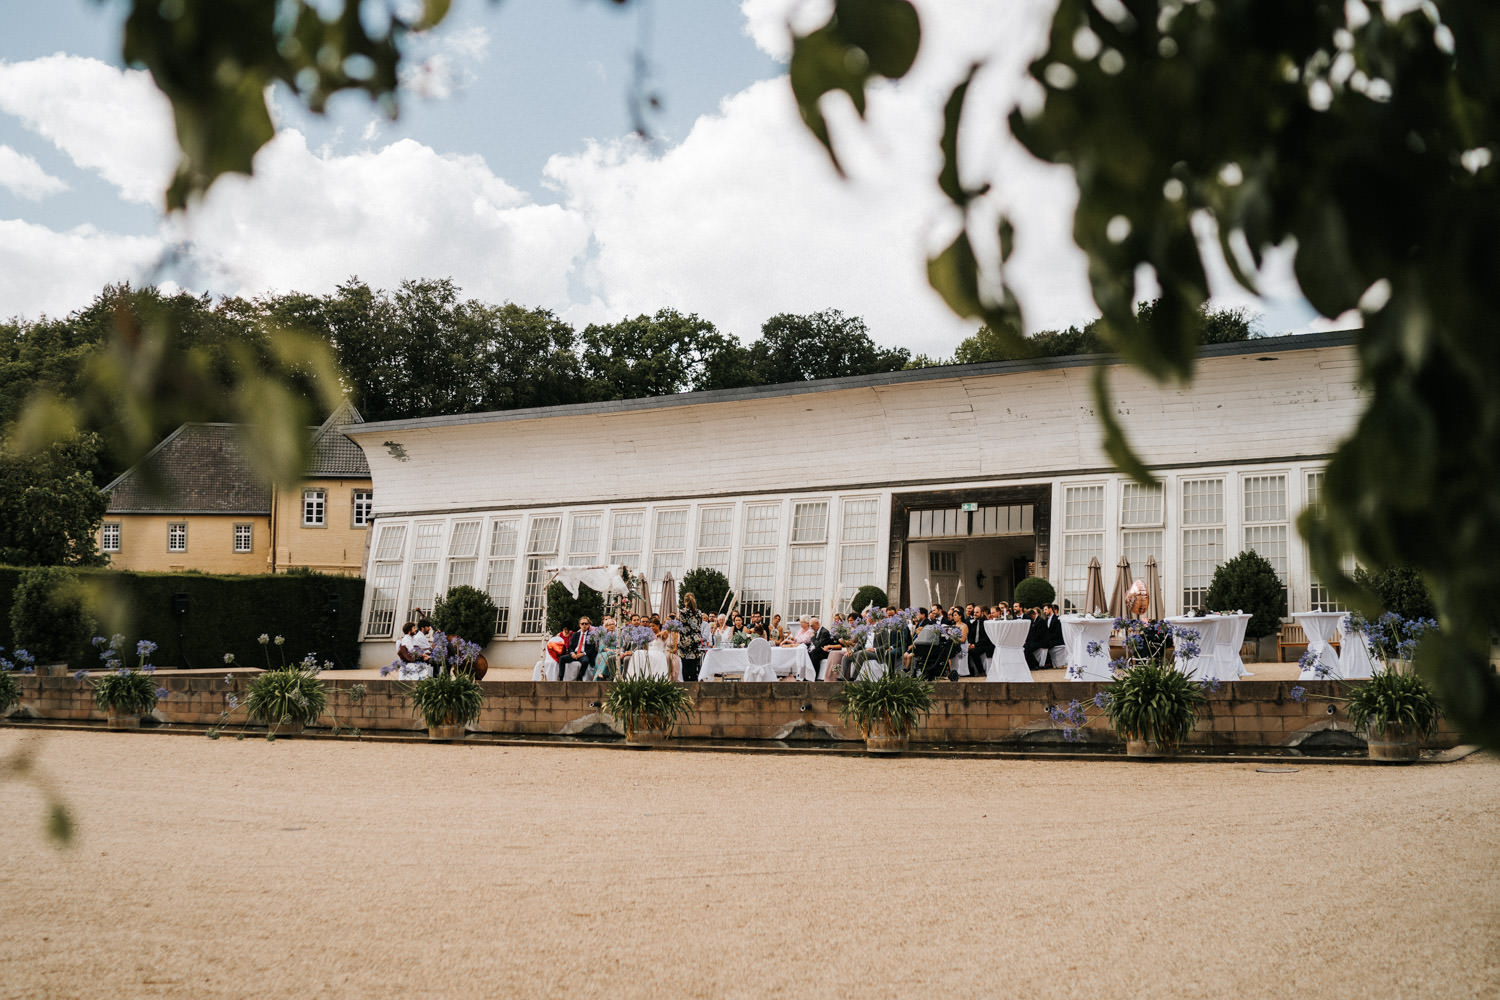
(668, 597)
(1154, 608)
(1122, 584)
(644, 586)
(1093, 593)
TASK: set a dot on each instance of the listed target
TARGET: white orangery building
(948, 483)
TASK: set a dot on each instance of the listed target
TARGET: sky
(512, 169)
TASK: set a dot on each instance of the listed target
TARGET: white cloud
(25, 178)
(110, 121)
(42, 271)
(307, 220)
(441, 62)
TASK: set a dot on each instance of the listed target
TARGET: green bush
(1153, 700)
(897, 700)
(1033, 592)
(865, 596)
(10, 691)
(564, 610)
(1249, 583)
(451, 699)
(222, 614)
(1394, 700)
(468, 613)
(50, 615)
(709, 588)
(1400, 590)
(289, 695)
(127, 692)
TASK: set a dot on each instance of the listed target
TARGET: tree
(1249, 583)
(50, 509)
(564, 610)
(466, 612)
(826, 344)
(649, 355)
(1400, 590)
(1212, 326)
(709, 588)
(1365, 141)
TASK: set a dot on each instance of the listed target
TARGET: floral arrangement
(1391, 637)
(122, 689)
(842, 633)
(741, 639)
(21, 661)
(687, 638)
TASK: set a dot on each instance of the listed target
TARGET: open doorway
(975, 571)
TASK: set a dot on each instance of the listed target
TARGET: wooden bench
(1292, 634)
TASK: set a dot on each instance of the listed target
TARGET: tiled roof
(334, 455)
(199, 468)
(203, 469)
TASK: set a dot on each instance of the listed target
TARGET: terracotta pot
(1145, 748)
(446, 732)
(1394, 744)
(121, 720)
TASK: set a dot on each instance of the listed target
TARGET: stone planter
(645, 737)
(881, 740)
(1395, 745)
(1399, 666)
(1145, 748)
(122, 720)
(446, 732)
(286, 729)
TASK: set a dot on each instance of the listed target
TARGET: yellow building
(195, 503)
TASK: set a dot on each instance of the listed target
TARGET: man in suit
(819, 646)
(980, 643)
(1044, 641)
(580, 652)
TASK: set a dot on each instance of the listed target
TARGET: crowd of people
(942, 643)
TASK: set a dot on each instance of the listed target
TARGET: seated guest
(578, 658)
(757, 626)
(1044, 643)
(723, 634)
(804, 634)
(819, 646)
(738, 621)
(981, 646)
(609, 647)
(777, 633)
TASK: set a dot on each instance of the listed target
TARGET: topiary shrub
(564, 610)
(709, 588)
(1249, 583)
(865, 596)
(50, 616)
(466, 612)
(1033, 592)
(1400, 590)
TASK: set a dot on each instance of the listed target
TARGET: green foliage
(314, 612)
(895, 700)
(10, 691)
(564, 610)
(865, 596)
(452, 699)
(1399, 589)
(1394, 700)
(125, 692)
(466, 612)
(50, 508)
(1288, 125)
(1153, 700)
(709, 588)
(646, 703)
(286, 695)
(1249, 583)
(1034, 591)
(649, 355)
(1210, 326)
(50, 616)
(827, 344)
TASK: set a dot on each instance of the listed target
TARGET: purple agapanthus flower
(1298, 693)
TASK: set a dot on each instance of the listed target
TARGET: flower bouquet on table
(842, 634)
(634, 637)
(742, 639)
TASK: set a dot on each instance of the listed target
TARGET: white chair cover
(545, 670)
(758, 653)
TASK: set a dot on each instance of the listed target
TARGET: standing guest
(580, 653)
(690, 649)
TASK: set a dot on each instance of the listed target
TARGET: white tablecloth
(1355, 655)
(1009, 662)
(1227, 663)
(785, 660)
(1205, 665)
(1321, 626)
(1080, 630)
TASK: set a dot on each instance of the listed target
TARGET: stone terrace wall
(1245, 713)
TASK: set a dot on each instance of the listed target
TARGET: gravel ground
(313, 868)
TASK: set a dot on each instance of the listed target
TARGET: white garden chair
(758, 655)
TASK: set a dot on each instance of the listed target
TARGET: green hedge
(223, 614)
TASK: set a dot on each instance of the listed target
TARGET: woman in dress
(776, 633)
(723, 633)
(956, 619)
(656, 653)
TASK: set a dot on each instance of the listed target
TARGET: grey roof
(334, 455)
(203, 469)
(1258, 345)
(198, 469)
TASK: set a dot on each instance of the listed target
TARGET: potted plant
(10, 691)
(285, 699)
(50, 617)
(447, 703)
(1152, 705)
(886, 709)
(1397, 710)
(648, 707)
(124, 694)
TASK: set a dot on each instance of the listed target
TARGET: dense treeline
(419, 350)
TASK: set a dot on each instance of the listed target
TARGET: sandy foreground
(313, 868)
